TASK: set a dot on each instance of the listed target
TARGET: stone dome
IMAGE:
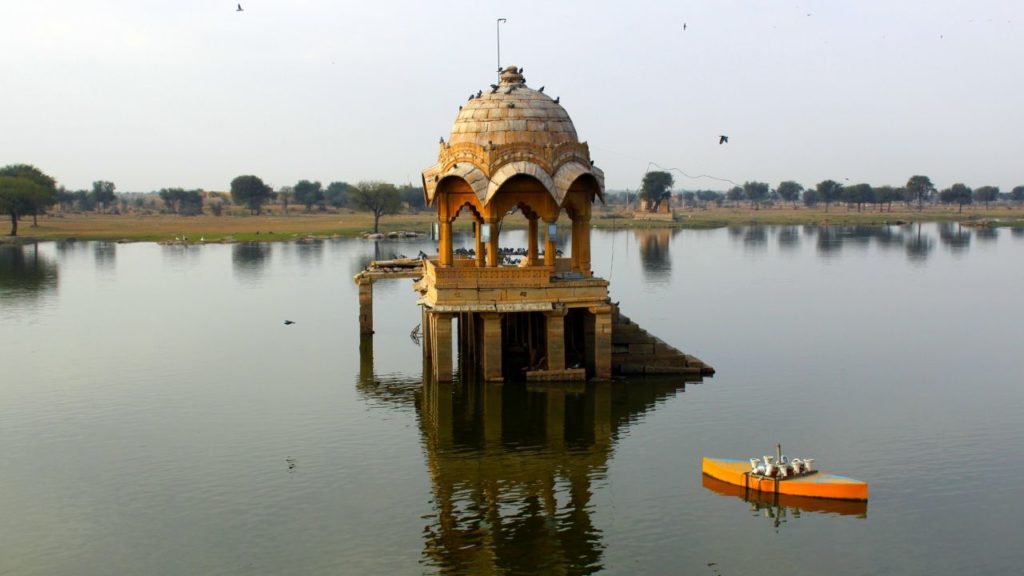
(513, 113)
(507, 131)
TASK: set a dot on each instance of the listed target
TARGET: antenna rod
(497, 28)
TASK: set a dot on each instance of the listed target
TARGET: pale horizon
(192, 94)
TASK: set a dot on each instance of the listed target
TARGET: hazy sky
(191, 93)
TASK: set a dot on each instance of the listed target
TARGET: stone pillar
(574, 240)
(491, 352)
(366, 360)
(584, 240)
(480, 250)
(531, 239)
(555, 351)
(365, 307)
(602, 343)
(441, 349)
(444, 247)
(493, 258)
(549, 247)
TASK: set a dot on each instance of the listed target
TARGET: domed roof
(512, 113)
(511, 130)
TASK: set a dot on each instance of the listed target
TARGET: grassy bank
(276, 226)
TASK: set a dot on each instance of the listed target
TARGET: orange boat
(858, 508)
(811, 485)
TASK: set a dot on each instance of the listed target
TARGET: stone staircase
(637, 352)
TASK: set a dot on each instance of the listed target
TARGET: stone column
(491, 352)
(444, 248)
(441, 350)
(480, 250)
(574, 240)
(493, 258)
(584, 240)
(555, 351)
(602, 344)
(531, 250)
(365, 307)
(549, 247)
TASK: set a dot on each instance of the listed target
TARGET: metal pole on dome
(497, 28)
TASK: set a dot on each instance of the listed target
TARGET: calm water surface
(157, 416)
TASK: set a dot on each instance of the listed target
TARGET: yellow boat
(810, 485)
(857, 508)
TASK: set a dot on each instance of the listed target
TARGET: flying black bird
(541, 89)
(239, 9)
(288, 322)
(684, 26)
(557, 98)
(723, 139)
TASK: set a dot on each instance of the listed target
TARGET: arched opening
(523, 196)
(577, 202)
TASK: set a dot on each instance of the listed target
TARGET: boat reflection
(779, 507)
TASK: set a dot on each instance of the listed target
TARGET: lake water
(157, 416)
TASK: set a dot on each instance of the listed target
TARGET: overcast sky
(191, 93)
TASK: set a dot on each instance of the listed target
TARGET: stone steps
(636, 351)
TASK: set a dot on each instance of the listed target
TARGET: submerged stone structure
(513, 149)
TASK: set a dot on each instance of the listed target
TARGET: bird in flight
(288, 322)
(723, 139)
(684, 26)
(239, 9)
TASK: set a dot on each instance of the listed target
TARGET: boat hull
(818, 485)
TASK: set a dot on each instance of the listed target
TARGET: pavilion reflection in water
(514, 467)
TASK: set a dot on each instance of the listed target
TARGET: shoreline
(276, 227)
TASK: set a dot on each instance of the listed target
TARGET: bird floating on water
(723, 139)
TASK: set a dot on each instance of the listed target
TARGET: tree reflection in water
(789, 237)
(654, 252)
(954, 236)
(512, 467)
(25, 274)
(249, 259)
(919, 245)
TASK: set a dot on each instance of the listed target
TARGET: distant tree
(811, 197)
(251, 191)
(309, 193)
(986, 194)
(790, 191)
(285, 194)
(337, 194)
(65, 199)
(857, 194)
(920, 188)
(103, 194)
(756, 193)
(657, 187)
(413, 197)
(380, 198)
(956, 194)
(735, 194)
(25, 189)
(1017, 194)
(689, 198)
(884, 195)
(829, 191)
(182, 202)
(709, 196)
